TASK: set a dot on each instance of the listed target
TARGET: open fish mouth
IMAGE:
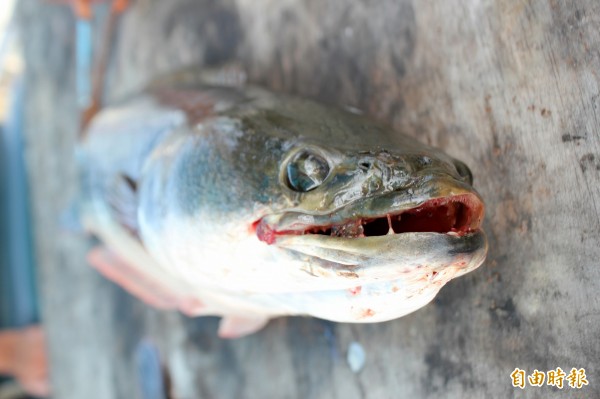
(456, 215)
(370, 245)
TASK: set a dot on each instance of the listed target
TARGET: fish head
(353, 196)
(370, 212)
(294, 197)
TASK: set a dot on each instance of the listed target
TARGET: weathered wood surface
(512, 88)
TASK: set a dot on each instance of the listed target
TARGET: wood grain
(510, 87)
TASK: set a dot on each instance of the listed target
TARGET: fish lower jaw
(454, 215)
(365, 308)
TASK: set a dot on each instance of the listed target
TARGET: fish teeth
(350, 229)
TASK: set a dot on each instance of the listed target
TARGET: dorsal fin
(199, 102)
(227, 75)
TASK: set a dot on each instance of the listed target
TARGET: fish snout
(383, 172)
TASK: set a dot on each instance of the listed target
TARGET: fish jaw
(384, 238)
(369, 303)
(387, 258)
(386, 276)
(456, 214)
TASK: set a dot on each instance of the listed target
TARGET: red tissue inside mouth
(435, 217)
(458, 214)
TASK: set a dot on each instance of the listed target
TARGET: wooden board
(512, 88)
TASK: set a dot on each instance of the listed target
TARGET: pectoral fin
(152, 291)
(142, 287)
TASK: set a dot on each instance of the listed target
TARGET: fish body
(250, 205)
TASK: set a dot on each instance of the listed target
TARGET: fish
(239, 202)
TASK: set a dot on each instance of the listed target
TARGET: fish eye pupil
(306, 171)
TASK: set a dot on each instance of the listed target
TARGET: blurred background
(18, 298)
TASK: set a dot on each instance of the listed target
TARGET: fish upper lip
(458, 214)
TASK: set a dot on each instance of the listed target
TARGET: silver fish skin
(250, 205)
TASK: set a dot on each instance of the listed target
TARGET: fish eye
(306, 171)
(464, 171)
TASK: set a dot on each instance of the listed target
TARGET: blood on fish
(367, 313)
(265, 233)
(355, 290)
(253, 226)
